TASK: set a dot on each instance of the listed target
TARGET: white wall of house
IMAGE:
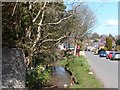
(61, 46)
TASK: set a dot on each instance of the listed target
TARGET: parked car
(116, 55)
(71, 47)
(92, 49)
(109, 55)
(109, 52)
(89, 48)
(96, 52)
(102, 54)
(100, 50)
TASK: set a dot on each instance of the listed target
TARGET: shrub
(117, 48)
(37, 77)
(109, 43)
(105, 48)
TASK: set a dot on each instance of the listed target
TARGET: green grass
(80, 70)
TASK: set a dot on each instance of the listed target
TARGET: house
(63, 46)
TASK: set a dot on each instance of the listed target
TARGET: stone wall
(13, 68)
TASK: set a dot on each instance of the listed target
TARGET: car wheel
(112, 58)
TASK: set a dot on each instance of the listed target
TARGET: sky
(106, 12)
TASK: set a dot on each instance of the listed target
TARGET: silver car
(116, 56)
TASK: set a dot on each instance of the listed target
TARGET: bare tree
(85, 20)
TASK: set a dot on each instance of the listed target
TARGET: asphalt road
(104, 69)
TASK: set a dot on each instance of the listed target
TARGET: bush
(105, 48)
(117, 48)
(37, 77)
(62, 53)
(109, 43)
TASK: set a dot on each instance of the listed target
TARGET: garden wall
(13, 68)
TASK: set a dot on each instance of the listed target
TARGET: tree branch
(14, 8)
(37, 16)
(74, 10)
(45, 36)
(58, 21)
(39, 13)
(28, 30)
(52, 40)
(39, 27)
(8, 21)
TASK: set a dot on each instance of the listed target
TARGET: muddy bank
(73, 79)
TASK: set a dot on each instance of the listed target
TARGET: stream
(60, 77)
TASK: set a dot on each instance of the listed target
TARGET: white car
(116, 55)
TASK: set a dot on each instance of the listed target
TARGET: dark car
(110, 55)
(102, 54)
(100, 50)
(116, 56)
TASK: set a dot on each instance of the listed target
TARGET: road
(105, 70)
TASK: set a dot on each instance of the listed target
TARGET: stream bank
(60, 77)
(80, 69)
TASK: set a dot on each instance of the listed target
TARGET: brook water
(60, 77)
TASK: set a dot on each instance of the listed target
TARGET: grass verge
(80, 70)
